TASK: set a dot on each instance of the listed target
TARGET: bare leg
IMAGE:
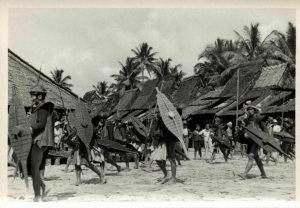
(109, 159)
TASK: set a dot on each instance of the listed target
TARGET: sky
(89, 43)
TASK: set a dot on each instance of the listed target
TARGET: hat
(275, 121)
(38, 88)
(257, 107)
(229, 123)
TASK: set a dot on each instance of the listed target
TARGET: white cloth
(185, 132)
(206, 135)
(58, 135)
(277, 128)
(159, 153)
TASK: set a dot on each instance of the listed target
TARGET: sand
(199, 181)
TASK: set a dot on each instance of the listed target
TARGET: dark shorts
(252, 148)
(198, 145)
(170, 144)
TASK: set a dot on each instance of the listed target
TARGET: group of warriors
(156, 143)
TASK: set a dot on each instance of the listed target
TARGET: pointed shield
(19, 132)
(264, 140)
(83, 125)
(113, 146)
(139, 127)
(222, 141)
(284, 136)
(170, 117)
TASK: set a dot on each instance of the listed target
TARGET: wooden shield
(264, 140)
(222, 141)
(19, 132)
(139, 127)
(170, 117)
(113, 146)
(284, 136)
(83, 125)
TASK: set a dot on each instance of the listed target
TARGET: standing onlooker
(197, 140)
(207, 140)
(185, 134)
(230, 137)
(58, 133)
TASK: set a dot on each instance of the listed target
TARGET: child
(198, 141)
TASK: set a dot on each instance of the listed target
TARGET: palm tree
(163, 68)
(144, 58)
(178, 75)
(57, 76)
(128, 77)
(250, 44)
(102, 89)
(291, 38)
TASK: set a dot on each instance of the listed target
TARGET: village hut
(22, 75)
(263, 92)
(146, 99)
(124, 105)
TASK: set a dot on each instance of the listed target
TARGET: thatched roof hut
(147, 97)
(187, 91)
(248, 74)
(22, 76)
(204, 101)
(274, 76)
(126, 101)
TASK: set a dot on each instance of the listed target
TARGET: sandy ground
(199, 181)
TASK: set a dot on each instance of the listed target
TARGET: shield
(139, 127)
(127, 146)
(171, 118)
(113, 146)
(284, 136)
(83, 125)
(264, 140)
(19, 133)
(222, 141)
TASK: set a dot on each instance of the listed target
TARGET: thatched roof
(22, 75)
(248, 74)
(274, 76)
(126, 101)
(143, 97)
(186, 91)
(203, 102)
(147, 97)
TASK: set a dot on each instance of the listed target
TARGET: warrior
(42, 128)
(165, 149)
(120, 136)
(79, 155)
(254, 119)
(218, 131)
(101, 132)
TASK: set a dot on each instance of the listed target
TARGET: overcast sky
(88, 43)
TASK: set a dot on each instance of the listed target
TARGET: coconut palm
(102, 89)
(291, 38)
(128, 77)
(163, 68)
(144, 58)
(177, 74)
(249, 45)
(57, 76)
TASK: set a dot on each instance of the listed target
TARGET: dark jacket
(42, 124)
